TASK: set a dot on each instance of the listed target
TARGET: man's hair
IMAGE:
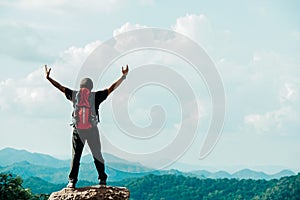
(86, 83)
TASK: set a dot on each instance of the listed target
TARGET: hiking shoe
(102, 182)
(71, 184)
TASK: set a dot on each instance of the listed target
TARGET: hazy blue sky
(254, 44)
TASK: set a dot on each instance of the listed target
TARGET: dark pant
(93, 140)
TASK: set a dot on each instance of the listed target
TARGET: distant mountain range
(48, 168)
(242, 174)
(52, 170)
(9, 156)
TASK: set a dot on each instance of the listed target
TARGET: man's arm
(55, 83)
(119, 81)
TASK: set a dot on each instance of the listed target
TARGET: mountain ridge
(10, 156)
(54, 170)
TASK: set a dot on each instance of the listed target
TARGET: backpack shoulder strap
(94, 118)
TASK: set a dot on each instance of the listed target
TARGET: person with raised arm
(85, 119)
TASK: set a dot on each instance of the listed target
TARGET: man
(91, 133)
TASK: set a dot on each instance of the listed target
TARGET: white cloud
(29, 96)
(127, 27)
(256, 57)
(32, 95)
(197, 27)
(63, 6)
(262, 94)
(77, 55)
(281, 120)
(288, 93)
(271, 121)
(130, 41)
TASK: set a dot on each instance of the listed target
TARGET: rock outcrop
(92, 192)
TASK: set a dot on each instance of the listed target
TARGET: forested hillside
(181, 187)
(169, 187)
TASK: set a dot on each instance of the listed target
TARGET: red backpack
(84, 114)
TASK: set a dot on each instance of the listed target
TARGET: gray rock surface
(92, 192)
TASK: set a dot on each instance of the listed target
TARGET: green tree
(11, 189)
(285, 188)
